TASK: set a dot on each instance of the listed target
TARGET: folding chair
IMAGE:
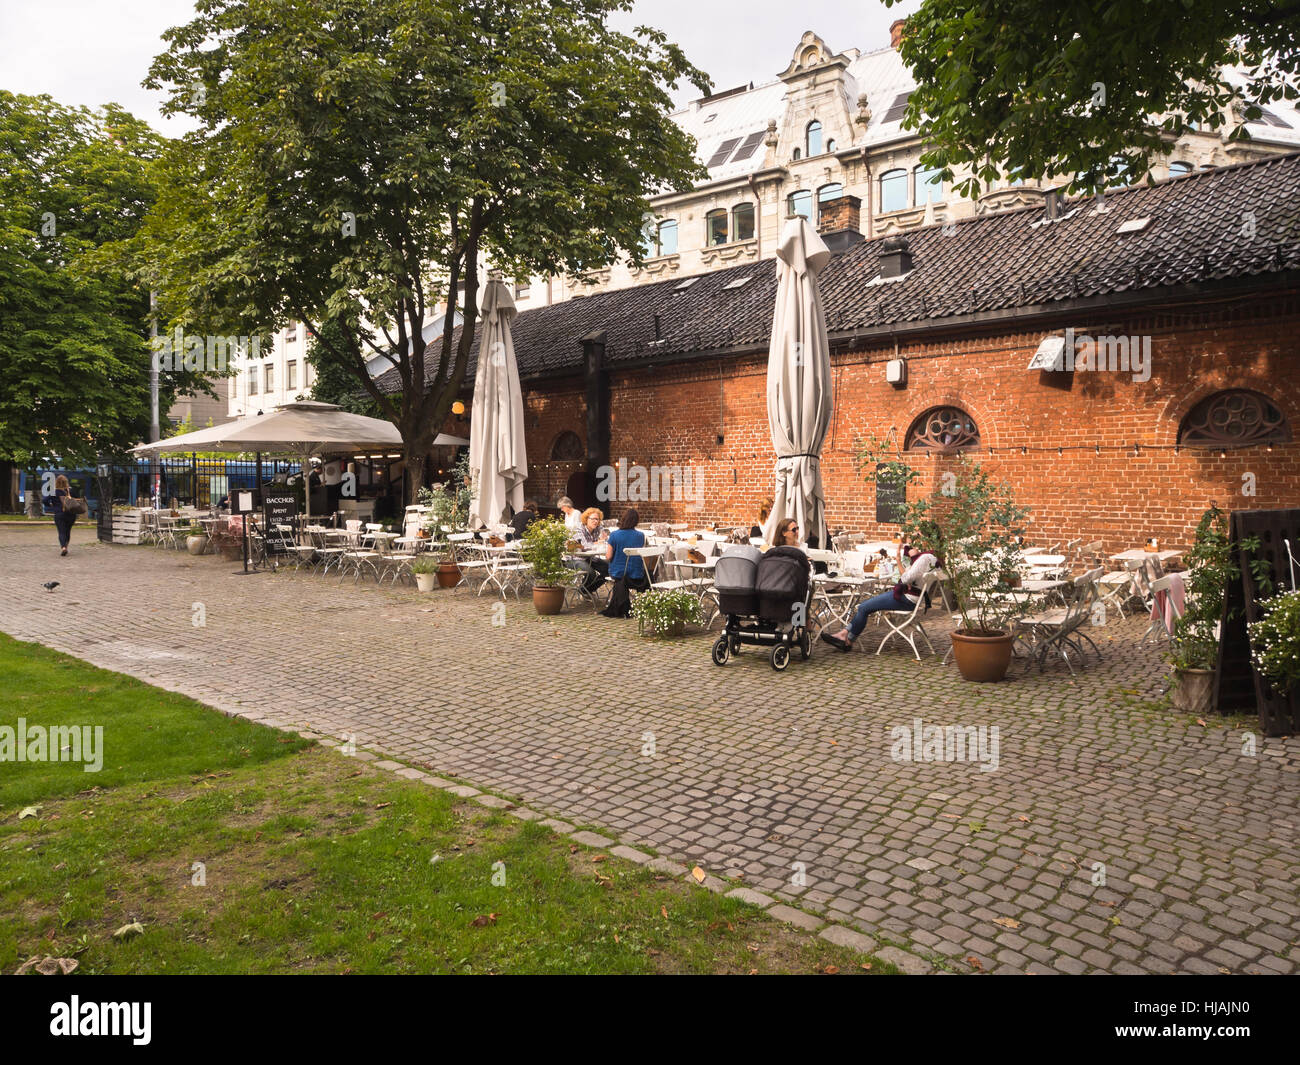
(911, 624)
(1061, 631)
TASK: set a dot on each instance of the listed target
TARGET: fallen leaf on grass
(831, 970)
(652, 952)
(30, 811)
(1201, 721)
(573, 848)
(698, 873)
(664, 911)
(381, 805)
(48, 966)
(1007, 922)
(865, 965)
(483, 920)
(974, 962)
(599, 857)
(135, 928)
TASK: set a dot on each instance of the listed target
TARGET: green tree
(335, 382)
(75, 185)
(1096, 89)
(356, 161)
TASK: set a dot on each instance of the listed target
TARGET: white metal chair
(1062, 631)
(908, 625)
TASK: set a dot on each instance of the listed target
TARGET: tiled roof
(1211, 225)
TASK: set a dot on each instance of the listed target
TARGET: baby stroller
(766, 598)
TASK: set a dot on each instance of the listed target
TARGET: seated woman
(628, 573)
(903, 596)
(589, 535)
(764, 512)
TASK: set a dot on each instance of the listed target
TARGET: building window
(814, 138)
(831, 145)
(798, 154)
(291, 376)
(929, 189)
(715, 227)
(1179, 168)
(252, 380)
(568, 447)
(269, 384)
(943, 429)
(893, 190)
(1235, 418)
(742, 221)
(292, 332)
(521, 290)
(660, 239)
(801, 203)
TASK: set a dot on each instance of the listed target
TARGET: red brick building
(1201, 271)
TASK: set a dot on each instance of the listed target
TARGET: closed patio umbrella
(498, 460)
(799, 397)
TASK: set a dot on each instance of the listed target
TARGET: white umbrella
(798, 382)
(302, 429)
(498, 460)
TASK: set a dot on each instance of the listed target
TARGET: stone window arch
(568, 447)
(1235, 417)
(942, 429)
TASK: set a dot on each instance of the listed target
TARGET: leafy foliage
(74, 355)
(543, 548)
(357, 161)
(972, 522)
(1095, 89)
(1275, 640)
(661, 611)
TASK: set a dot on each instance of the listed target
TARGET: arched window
(929, 189)
(826, 194)
(660, 239)
(801, 202)
(893, 190)
(568, 447)
(742, 221)
(814, 138)
(798, 154)
(715, 227)
(1179, 168)
(831, 145)
(1235, 418)
(942, 429)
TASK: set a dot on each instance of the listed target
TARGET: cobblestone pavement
(785, 781)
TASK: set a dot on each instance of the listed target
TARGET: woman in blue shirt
(628, 573)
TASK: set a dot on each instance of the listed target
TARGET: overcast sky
(94, 51)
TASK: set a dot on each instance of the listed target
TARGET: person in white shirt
(572, 515)
(903, 596)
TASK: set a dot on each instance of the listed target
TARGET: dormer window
(813, 139)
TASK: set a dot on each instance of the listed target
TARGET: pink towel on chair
(1171, 603)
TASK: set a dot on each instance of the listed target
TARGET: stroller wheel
(735, 645)
(780, 657)
(805, 645)
(721, 652)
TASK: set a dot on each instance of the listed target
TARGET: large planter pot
(982, 657)
(196, 545)
(448, 575)
(424, 581)
(1193, 691)
(548, 600)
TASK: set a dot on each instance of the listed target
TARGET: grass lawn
(313, 862)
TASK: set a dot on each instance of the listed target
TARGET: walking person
(65, 516)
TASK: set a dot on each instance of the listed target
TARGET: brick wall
(673, 417)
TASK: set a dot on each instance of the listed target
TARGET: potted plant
(229, 540)
(196, 543)
(972, 523)
(1275, 642)
(543, 548)
(1194, 648)
(665, 613)
(425, 570)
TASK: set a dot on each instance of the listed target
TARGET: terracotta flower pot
(1193, 691)
(548, 600)
(982, 657)
(448, 575)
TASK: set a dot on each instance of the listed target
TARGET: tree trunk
(416, 460)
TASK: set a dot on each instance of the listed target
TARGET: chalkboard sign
(891, 493)
(280, 506)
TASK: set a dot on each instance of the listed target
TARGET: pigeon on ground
(49, 586)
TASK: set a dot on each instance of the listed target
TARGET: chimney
(840, 223)
(895, 258)
(896, 29)
(1052, 203)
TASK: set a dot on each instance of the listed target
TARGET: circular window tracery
(1234, 418)
(942, 429)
